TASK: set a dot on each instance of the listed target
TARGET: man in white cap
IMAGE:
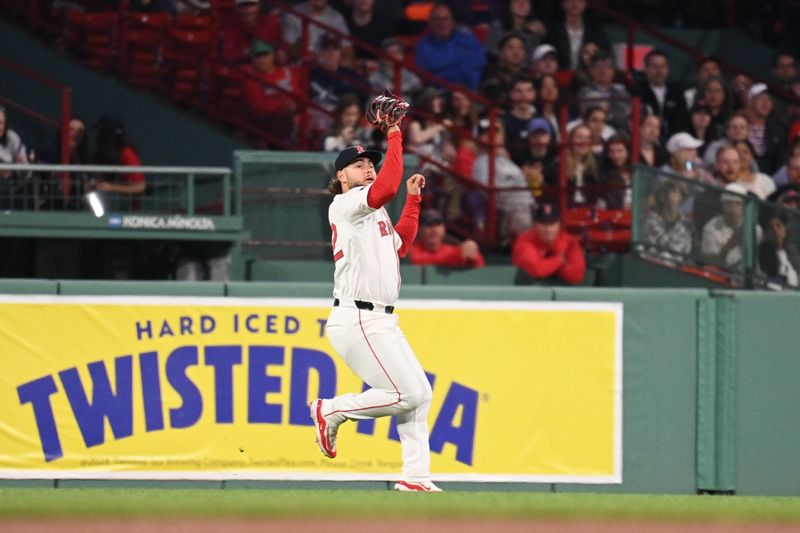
(684, 160)
(545, 60)
(765, 134)
(721, 242)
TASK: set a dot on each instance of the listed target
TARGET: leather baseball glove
(386, 110)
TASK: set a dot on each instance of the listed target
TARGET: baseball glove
(386, 110)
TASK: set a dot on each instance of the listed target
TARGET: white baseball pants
(374, 347)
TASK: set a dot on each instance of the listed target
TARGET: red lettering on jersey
(336, 255)
(383, 227)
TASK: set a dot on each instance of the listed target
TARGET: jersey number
(336, 255)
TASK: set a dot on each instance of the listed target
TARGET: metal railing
(173, 190)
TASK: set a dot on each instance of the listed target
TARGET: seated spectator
(499, 76)
(545, 61)
(115, 149)
(428, 128)
(384, 76)
(370, 26)
(596, 118)
(520, 113)
(64, 192)
(766, 134)
(580, 77)
(615, 175)
(714, 93)
(722, 235)
(248, 25)
(736, 129)
(548, 105)
(347, 129)
(462, 113)
(700, 126)
(603, 91)
(318, 11)
(666, 228)
(651, 152)
(513, 206)
(757, 183)
(683, 157)
(790, 172)
(452, 54)
(706, 68)
(784, 76)
(548, 252)
(581, 168)
(773, 260)
(430, 247)
(572, 31)
(660, 97)
(540, 154)
(740, 87)
(329, 80)
(268, 90)
(517, 17)
(12, 150)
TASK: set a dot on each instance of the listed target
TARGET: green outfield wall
(710, 378)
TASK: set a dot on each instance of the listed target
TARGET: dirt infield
(412, 526)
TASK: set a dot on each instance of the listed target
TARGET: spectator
(12, 150)
(773, 259)
(603, 91)
(596, 118)
(784, 76)
(546, 251)
(545, 61)
(757, 183)
(318, 11)
(714, 93)
(581, 167)
(549, 102)
(65, 191)
(462, 112)
(615, 176)
(499, 76)
(517, 17)
(707, 67)
(705, 202)
(581, 77)
(428, 129)
(652, 153)
(430, 247)
(660, 97)
(329, 80)
(722, 235)
(665, 227)
(452, 54)
(781, 177)
(514, 206)
(575, 29)
(347, 130)
(700, 126)
(114, 148)
(384, 76)
(248, 25)
(540, 155)
(268, 90)
(367, 25)
(684, 159)
(765, 133)
(740, 87)
(516, 120)
(191, 7)
(736, 130)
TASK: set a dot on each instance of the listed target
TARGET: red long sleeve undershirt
(387, 182)
(408, 224)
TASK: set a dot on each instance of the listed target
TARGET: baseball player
(362, 326)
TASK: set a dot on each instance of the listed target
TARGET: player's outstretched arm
(386, 112)
(408, 224)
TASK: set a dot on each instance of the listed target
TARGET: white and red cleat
(416, 486)
(326, 431)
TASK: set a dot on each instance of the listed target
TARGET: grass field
(38, 503)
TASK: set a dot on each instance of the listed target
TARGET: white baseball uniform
(365, 247)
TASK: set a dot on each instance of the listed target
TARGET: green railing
(704, 229)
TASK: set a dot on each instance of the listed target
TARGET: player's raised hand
(415, 184)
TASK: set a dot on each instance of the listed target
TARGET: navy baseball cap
(546, 213)
(351, 153)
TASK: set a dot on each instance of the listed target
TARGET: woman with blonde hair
(581, 168)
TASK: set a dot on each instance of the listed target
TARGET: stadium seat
(92, 37)
(185, 57)
(140, 47)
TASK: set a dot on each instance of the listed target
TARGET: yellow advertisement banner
(218, 388)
